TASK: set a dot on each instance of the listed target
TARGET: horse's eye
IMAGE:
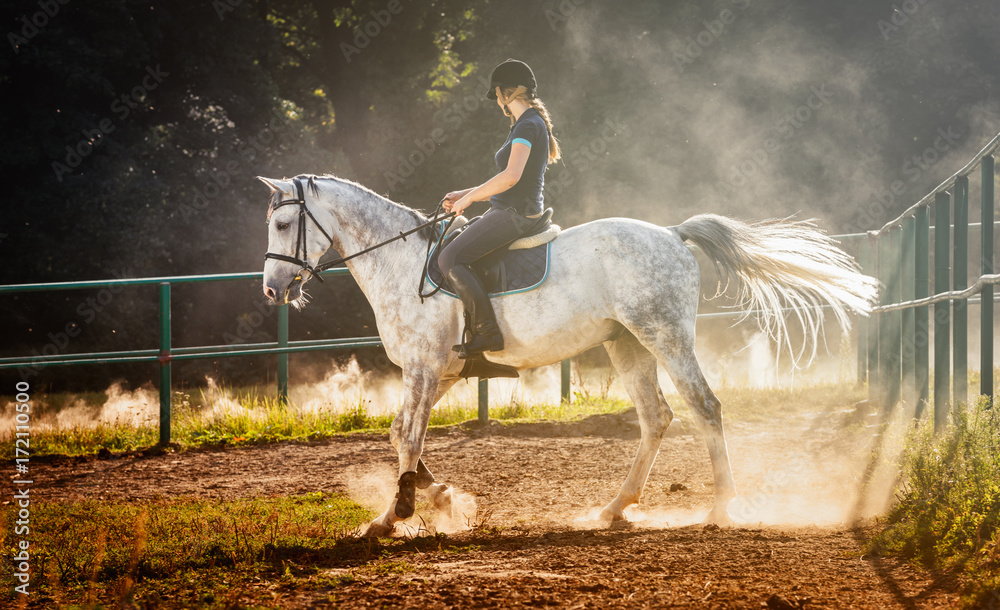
(282, 226)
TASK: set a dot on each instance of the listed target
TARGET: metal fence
(166, 354)
(894, 345)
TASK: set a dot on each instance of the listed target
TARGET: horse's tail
(784, 264)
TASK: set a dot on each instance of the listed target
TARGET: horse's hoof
(621, 523)
(378, 530)
(720, 517)
(612, 517)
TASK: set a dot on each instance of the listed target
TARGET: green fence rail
(894, 347)
(167, 354)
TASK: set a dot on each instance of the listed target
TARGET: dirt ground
(533, 488)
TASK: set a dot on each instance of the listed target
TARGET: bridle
(300, 243)
(301, 255)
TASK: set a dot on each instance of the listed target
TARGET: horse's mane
(310, 180)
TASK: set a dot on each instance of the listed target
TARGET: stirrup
(496, 344)
(477, 366)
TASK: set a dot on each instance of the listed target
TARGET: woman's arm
(497, 184)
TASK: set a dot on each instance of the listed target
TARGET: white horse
(630, 285)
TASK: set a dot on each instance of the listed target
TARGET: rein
(300, 243)
(427, 259)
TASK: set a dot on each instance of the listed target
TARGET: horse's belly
(531, 349)
(558, 324)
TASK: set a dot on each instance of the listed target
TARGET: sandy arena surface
(536, 487)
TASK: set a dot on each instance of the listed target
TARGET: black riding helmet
(511, 73)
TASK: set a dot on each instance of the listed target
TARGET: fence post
(863, 321)
(942, 309)
(164, 363)
(907, 267)
(960, 281)
(565, 380)
(883, 325)
(283, 358)
(871, 243)
(921, 319)
(986, 309)
(484, 400)
(889, 345)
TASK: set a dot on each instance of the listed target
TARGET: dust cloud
(759, 109)
(120, 407)
(840, 470)
(833, 470)
(374, 487)
(341, 388)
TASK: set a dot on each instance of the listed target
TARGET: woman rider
(515, 196)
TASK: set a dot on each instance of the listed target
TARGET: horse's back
(639, 270)
(626, 247)
(602, 274)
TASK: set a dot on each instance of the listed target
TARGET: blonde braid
(554, 153)
(509, 94)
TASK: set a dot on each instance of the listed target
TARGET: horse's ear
(276, 185)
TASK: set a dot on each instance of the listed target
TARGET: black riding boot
(486, 336)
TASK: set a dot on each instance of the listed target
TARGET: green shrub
(947, 515)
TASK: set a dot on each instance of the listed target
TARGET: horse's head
(295, 242)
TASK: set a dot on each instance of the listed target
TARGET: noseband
(301, 255)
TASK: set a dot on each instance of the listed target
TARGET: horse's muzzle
(280, 296)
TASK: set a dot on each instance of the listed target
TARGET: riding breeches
(497, 228)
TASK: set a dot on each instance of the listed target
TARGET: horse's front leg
(422, 390)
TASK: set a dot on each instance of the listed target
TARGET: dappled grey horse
(630, 285)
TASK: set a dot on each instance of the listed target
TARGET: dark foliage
(134, 130)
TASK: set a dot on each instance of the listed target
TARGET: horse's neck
(361, 220)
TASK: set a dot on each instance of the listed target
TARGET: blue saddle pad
(520, 271)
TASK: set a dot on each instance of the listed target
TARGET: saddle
(520, 266)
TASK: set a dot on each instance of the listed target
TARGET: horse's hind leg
(682, 365)
(637, 368)
(672, 342)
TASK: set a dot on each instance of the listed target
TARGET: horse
(627, 284)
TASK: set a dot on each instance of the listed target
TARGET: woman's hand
(449, 200)
(454, 196)
(457, 201)
(459, 206)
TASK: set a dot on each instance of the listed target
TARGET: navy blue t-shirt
(526, 195)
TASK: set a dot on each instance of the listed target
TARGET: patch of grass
(254, 419)
(81, 440)
(204, 553)
(390, 566)
(222, 418)
(947, 516)
(112, 551)
(516, 411)
(249, 419)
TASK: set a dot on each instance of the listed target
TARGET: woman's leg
(495, 229)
